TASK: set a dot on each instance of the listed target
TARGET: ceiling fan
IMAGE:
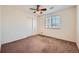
(38, 9)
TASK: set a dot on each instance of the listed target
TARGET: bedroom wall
(77, 26)
(17, 24)
(0, 28)
(67, 29)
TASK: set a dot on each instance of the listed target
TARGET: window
(52, 22)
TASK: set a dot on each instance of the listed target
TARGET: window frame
(52, 26)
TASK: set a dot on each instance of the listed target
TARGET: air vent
(51, 7)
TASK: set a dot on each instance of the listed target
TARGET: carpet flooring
(40, 44)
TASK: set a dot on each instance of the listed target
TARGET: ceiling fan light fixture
(38, 12)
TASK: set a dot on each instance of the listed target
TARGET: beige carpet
(40, 44)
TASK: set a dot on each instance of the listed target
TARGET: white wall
(17, 24)
(67, 29)
(78, 26)
(0, 28)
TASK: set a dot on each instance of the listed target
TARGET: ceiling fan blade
(37, 7)
(32, 9)
(44, 9)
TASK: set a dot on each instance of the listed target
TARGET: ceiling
(50, 8)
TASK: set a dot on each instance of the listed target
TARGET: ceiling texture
(50, 8)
